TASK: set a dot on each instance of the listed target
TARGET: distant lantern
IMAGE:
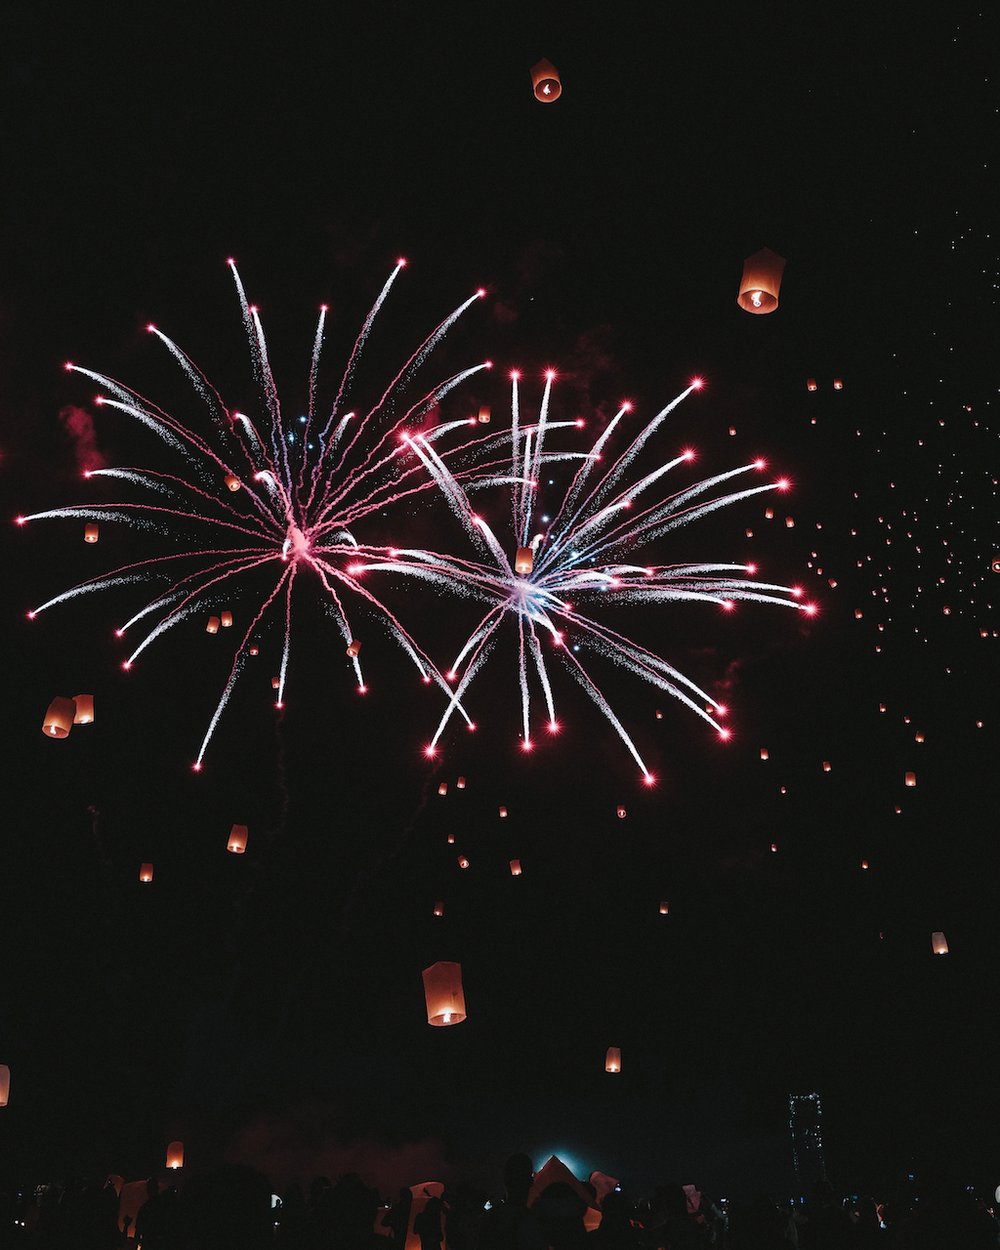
(451, 839)
(659, 714)
(254, 649)
(939, 944)
(237, 839)
(826, 766)
(232, 481)
(146, 873)
(213, 625)
(790, 522)
(864, 864)
(664, 909)
(84, 714)
(515, 867)
(881, 707)
(175, 1155)
(503, 813)
(484, 415)
(613, 1059)
(524, 561)
(545, 82)
(764, 753)
(911, 780)
(443, 994)
(354, 648)
(226, 620)
(460, 784)
(4, 1084)
(774, 848)
(275, 683)
(59, 718)
(622, 813)
(439, 909)
(463, 861)
(443, 788)
(811, 384)
(761, 281)
(995, 566)
(918, 736)
(838, 384)
(91, 533)
(769, 513)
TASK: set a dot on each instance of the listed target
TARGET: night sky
(268, 1008)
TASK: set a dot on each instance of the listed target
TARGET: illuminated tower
(805, 1127)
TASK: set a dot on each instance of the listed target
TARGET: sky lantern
(769, 514)
(439, 909)
(939, 944)
(443, 994)
(4, 1084)
(354, 648)
(460, 784)
(659, 714)
(761, 281)
(503, 813)
(774, 848)
(838, 384)
(59, 718)
(226, 620)
(664, 909)
(918, 736)
(232, 481)
(451, 839)
(463, 861)
(443, 788)
(764, 753)
(613, 1059)
(91, 533)
(213, 625)
(811, 384)
(826, 766)
(622, 813)
(910, 779)
(237, 839)
(864, 865)
(789, 522)
(84, 709)
(275, 683)
(175, 1155)
(145, 873)
(254, 649)
(484, 415)
(515, 867)
(524, 561)
(545, 82)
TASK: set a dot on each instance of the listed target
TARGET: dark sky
(269, 1007)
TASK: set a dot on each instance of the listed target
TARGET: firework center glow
(298, 543)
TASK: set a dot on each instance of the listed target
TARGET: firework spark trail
(265, 500)
(583, 553)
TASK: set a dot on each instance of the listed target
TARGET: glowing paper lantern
(761, 281)
(545, 82)
(524, 561)
(774, 848)
(659, 714)
(939, 944)
(826, 766)
(91, 533)
(175, 1155)
(451, 839)
(460, 784)
(515, 867)
(226, 620)
(213, 625)
(484, 415)
(354, 648)
(790, 522)
(764, 753)
(769, 513)
(613, 1059)
(443, 994)
(864, 864)
(232, 481)
(443, 788)
(503, 813)
(439, 909)
(254, 649)
(84, 705)
(910, 779)
(463, 861)
(622, 813)
(810, 384)
(664, 909)
(237, 839)
(275, 683)
(146, 873)
(918, 736)
(59, 717)
(4, 1084)
(838, 384)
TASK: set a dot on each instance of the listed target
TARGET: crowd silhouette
(233, 1208)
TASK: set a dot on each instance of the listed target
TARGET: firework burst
(258, 496)
(579, 556)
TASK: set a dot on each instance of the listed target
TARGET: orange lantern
(175, 1155)
(918, 736)
(451, 839)
(213, 625)
(545, 82)
(146, 873)
(764, 753)
(91, 533)
(232, 481)
(59, 718)
(864, 864)
(484, 415)
(911, 780)
(439, 909)
(254, 649)
(84, 714)
(613, 1059)
(275, 683)
(463, 861)
(460, 784)
(515, 867)
(810, 384)
(939, 944)
(443, 994)
(826, 766)
(789, 522)
(761, 281)
(774, 848)
(4, 1085)
(226, 620)
(524, 561)
(237, 839)
(659, 714)
(664, 909)
(354, 648)
(622, 813)
(503, 813)
(838, 384)
(443, 788)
